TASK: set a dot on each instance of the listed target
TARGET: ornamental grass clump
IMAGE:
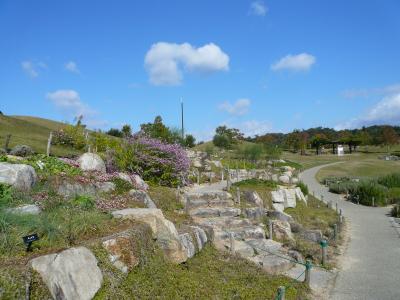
(154, 160)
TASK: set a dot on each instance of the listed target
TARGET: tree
(318, 141)
(126, 130)
(190, 141)
(157, 130)
(389, 137)
(225, 137)
(115, 132)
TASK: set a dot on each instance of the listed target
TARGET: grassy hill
(31, 131)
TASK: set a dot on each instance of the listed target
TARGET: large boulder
(280, 207)
(254, 213)
(278, 215)
(143, 197)
(188, 244)
(254, 197)
(71, 274)
(139, 183)
(278, 196)
(91, 162)
(28, 209)
(22, 150)
(300, 195)
(284, 179)
(71, 190)
(290, 198)
(20, 176)
(120, 251)
(163, 230)
(312, 235)
(281, 230)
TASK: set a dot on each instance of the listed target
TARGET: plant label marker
(28, 240)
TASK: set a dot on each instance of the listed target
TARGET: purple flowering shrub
(154, 160)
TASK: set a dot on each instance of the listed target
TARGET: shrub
(73, 136)
(83, 201)
(5, 195)
(121, 185)
(52, 165)
(393, 195)
(390, 181)
(156, 161)
(303, 187)
(395, 212)
(22, 150)
(343, 187)
(368, 190)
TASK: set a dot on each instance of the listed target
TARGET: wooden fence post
(335, 231)
(7, 142)
(281, 293)
(49, 143)
(238, 195)
(324, 245)
(232, 242)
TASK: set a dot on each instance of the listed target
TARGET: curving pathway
(371, 263)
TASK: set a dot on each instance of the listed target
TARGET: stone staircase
(215, 212)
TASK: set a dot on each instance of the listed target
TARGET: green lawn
(33, 132)
(364, 166)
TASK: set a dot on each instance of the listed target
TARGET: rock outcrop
(72, 189)
(28, 209)
(163, 230)
(230, 232)
(143, 197)
(71, 274)
(91, 162)
(20, 176)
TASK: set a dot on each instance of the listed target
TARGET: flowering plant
(153, 159)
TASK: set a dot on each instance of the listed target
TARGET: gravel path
(371, 263)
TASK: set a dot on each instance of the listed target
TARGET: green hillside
(31, 131)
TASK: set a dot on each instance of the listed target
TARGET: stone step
(264, 246)
(222, 222)
(215, 195)
(206, 212)
(273, 264)
(209, 203)
(240, 233)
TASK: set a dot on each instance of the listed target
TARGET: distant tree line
(158, 130)
(316, 138)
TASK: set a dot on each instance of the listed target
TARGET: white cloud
(253, 127)
(71, 66)
(238, 108)
(166, 62)
(70, 103)
(258, 8)
(299, 62)
(363, 93)
(31, 68)
(385, 112)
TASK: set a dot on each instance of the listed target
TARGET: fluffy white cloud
(238, 108)
(31, 68)
(70, 103)
(253, 127)
(385, 112)
(71, 66)
(166, 62)
(299, 62)
(356, 93)
(258, 8)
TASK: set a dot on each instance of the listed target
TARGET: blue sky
(261, 66)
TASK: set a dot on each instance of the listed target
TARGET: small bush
(303, 187)
(5, 195)
(368, 190)
(122, 186)
(22, 150)
(51, 166)
(84, 202)
(390, 181)
(393, 195)
(395, 212)
(343, 187)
